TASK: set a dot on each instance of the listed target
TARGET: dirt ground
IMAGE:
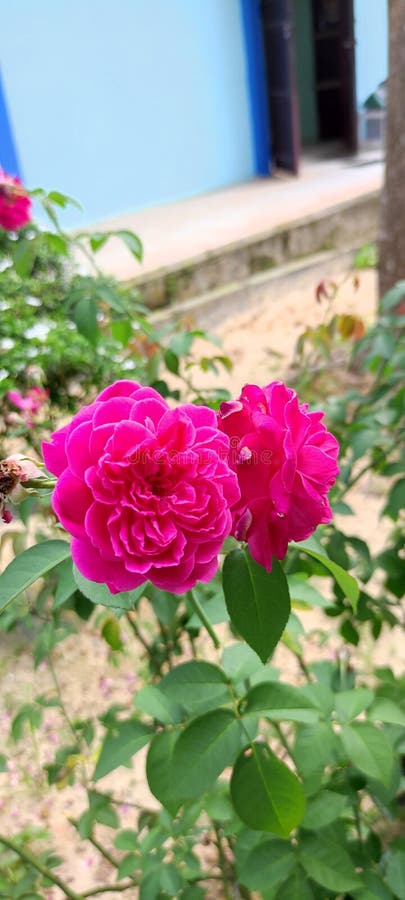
(259, 346)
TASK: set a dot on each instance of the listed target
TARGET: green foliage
(72, 333)
(266, 794)
(258, 602)
(284, 786)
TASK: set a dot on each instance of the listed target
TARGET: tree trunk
(392, 224)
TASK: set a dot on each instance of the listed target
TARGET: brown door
(348, 70)
(335, 71)
(281, 83)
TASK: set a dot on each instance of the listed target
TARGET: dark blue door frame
(256, 71)
(8, 151)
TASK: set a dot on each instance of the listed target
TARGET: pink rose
(145, 490)
(285, 460)
(15, 204)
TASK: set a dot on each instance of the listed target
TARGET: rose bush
(148, 492)
(286, 462)
(145, 490)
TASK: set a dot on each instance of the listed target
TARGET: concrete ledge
(212, 309)
(344, 225)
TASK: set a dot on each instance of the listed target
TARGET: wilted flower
(13, 470)
(145, 490)
(15, 204)
(286, 462)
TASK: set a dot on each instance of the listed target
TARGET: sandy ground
(258, 345)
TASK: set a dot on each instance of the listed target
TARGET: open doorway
(310, 72)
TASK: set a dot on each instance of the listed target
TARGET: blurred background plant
(69, 330)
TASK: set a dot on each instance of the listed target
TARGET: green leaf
(395, 874)
(24, 255)
(266, 794)
(205, 747)
(66, 584)
(122, 741)
(159, 770)
(172, 362)
(366, 257)
(258, 602)
(217, 804)
(126, 840)
(29, 714)
(396, 500)
(349, 633)
(296, 888)
(63, 200)
(56, 243)
(25, 569)
(346, 582)
(152, 701)
(393, 297)
(323, 809)
(3, 763)
(121, 330)
(328, 864)
(385, 710)
(85, 319)
(315, 747)
(196, 686)
(98, 239)
(240, 662)
(373, 889)
(369, 750)
(128, 865)
(280, 702)
(99, 593)
(131, 241)
(349, 704)
(111, 633)
(102, 810)
(193, 892)
(267, 865)
(305, 594)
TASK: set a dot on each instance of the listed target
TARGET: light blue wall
(127, 103)
(371, 32)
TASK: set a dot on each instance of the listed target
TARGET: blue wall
(128, 103)
(371, 31)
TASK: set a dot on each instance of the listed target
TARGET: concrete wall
(371, 31)
(127, 104)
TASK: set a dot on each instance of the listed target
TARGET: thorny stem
(29, 858)
(196, 605)
(223, 863)
(102, 850)
(60, 698)
(108, 889)
(356, 811)
(371, 465)
(303, 666)
(80, 244)
(116, 802)
(167, 642)
(282, 739)
(137, 633)
(66, 715)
